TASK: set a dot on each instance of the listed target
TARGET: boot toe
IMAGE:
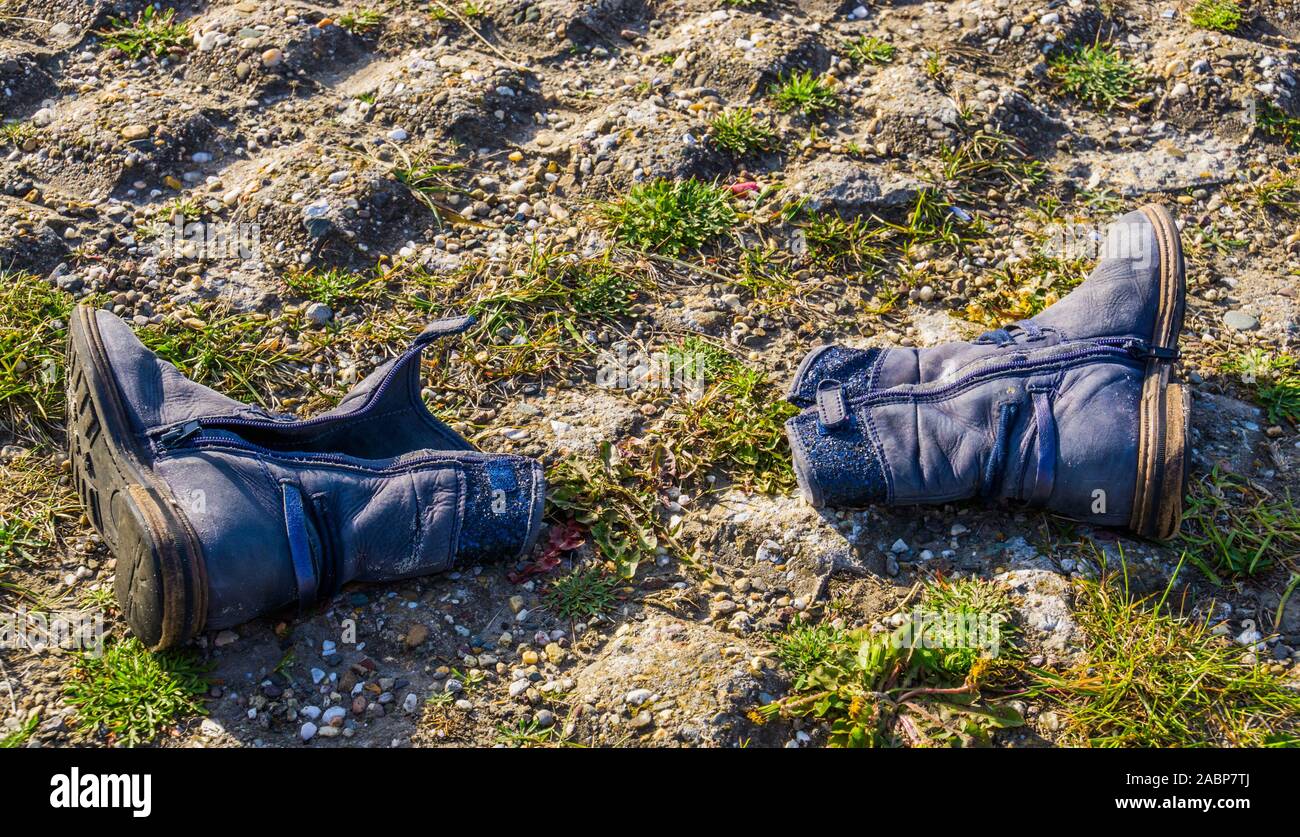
(836, 467)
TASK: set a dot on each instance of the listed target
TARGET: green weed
(804, 92)
(1097, 74)
(740, 133)
(152, 33)
(134, 694)
(670, 217)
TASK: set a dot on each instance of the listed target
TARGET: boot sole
(1165, 404)
(161, 582)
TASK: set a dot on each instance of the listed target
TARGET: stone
(852, 187)
(636, 697)
(318, 313)
(308, 731)
(131, 133)
(1240, 321)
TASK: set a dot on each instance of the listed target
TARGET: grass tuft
(1275, 378)
(1097, 74)
(736, 425)
(15, 133)
(804, 92)
(670, 217)
(609, 496)
(739, 133)
(1234, 528)
(152, 33)
(360, 21)
(1277, 124)
(1216, 15)
(134, 694)
(33, 337)
(583, 593)
(1024, 288)
(333, 286)
(866, 49)
(34, 502)
(18, 737)
(1154, 679)
(900, 688)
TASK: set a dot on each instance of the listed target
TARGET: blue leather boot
(219, 512)
(1074, 410)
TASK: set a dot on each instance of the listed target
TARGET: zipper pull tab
(1140, 349)
(180, 433)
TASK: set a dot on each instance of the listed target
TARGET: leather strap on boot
(295, 524)
(1045, 472)
(832, 407)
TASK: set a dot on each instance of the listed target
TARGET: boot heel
(160, 583)
(154, 590)
(1169, 514)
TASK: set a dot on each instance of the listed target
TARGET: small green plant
(530, 322)
(609, 496)
(736, 424)
(765, 273)
(801, 648)
(1277, 191)
(935, 66)
(583, 593)
(34, 503)
(739, 133)
(1233, 528)
(1155, 679)
(919, 685)
(1216, 15)
(836, 242)
(1275, 378)
(804, 92)
(1277, 124)
(670, 217)
(529, 733)
(472, 9)
(867, 49)
(333, 286)
(153, 33)
(987, 159)
(226, 350)
(1096, 73)
(16, 133)
(19, 737)
(360, 21)
(33, 335)
(135, 694)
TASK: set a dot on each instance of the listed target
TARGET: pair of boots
(219, 512)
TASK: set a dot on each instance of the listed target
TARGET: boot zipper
(179, 433)
(1113, 346)
(192, 436)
